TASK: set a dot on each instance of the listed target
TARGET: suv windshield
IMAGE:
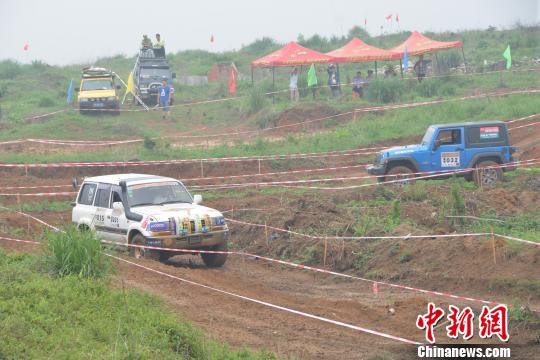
(98, 84)
(155, 73)
(158, 194)
(428, 135)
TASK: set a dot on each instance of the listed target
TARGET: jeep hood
(96, 93)
(181, 210)
(403, 150)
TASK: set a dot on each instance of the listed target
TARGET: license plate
(99, 105)
(194, 240)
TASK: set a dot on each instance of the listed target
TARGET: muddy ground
(463, 266)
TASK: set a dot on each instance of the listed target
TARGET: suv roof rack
(92, 71)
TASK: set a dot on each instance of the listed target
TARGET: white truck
(152, 211)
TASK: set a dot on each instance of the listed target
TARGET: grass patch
(74, 252)
(81, 318)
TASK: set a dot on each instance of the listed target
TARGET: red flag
(232, 80)
(26, 46)
(397, 17)
(389, 17)
(212, 38)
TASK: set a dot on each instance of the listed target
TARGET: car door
(83, 212)
(101, 206)
(448, 149)
(115, 220)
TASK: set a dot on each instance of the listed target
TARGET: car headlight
(111, 98)
(220, 220)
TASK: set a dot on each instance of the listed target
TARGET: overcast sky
(68, 31)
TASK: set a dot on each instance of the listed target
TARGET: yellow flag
(130, 83)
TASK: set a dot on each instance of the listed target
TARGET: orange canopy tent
(358, 51)
(418, 44)
(292, 54)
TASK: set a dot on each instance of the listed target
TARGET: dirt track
(243, 323)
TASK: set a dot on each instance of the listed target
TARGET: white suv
(150, 210)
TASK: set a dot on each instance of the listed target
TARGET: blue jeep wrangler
(447, 147)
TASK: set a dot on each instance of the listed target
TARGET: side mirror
(437, 144)
(118, 87)
(118, 207)
(77, 89)
(174, 75)
(197, 199)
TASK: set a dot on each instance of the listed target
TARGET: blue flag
(405, 60)
(70, 92)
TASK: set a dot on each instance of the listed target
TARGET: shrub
(267, 119)
(405, 257)
(385, 91)
(256, 100)
(394, 218)
(10, 69)
(46, 102)
(149, 143)
(428, 88)
(74, 252)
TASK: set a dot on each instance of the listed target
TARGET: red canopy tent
(418, 44)
(292, 54)
(358, 51)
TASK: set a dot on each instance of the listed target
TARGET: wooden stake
(325, 248)
(266, 233)
(202, 169)
(259, 166)
(493, 245)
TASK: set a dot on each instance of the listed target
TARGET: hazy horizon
(64, 32)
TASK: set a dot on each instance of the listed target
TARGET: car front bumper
(376, 169)
(98, 105)
(191, 241)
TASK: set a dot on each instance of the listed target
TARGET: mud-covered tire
(400, 172)
(487, 177)
(141, 253)
(215, 260)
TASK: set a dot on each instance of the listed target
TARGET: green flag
(508, 56)
(312, 76)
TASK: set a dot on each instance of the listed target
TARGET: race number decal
(450, 159)
(491, 132)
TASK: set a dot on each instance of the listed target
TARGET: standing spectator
(333, 80)
(159, 46)
(369, 76)
(293, 84)
(164, 97)
(421, 68)
(357, 85)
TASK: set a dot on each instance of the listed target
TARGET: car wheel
(402, 175)
(142, 253)
(215, 260)
(486, 174)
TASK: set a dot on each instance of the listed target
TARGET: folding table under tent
(418, 44)
(358, 51)
(291, 54)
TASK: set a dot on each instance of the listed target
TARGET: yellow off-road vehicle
(98, 92)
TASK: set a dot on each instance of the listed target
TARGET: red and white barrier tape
(528, 117)
(365, 109)
(309, 268)
(186, 161)
(246, 298)
(431, 174)
(31, 217)
(65, 193)
(522, 126)
(518, 239)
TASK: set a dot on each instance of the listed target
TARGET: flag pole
(464, 60)
(401, 67)
(375, 69)
(273, 83)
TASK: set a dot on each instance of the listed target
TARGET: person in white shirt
(293, 84)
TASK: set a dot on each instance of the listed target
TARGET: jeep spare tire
(402, 173)
(215, 260)
(487, 174)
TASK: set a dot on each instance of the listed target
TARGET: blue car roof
(471, 123)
